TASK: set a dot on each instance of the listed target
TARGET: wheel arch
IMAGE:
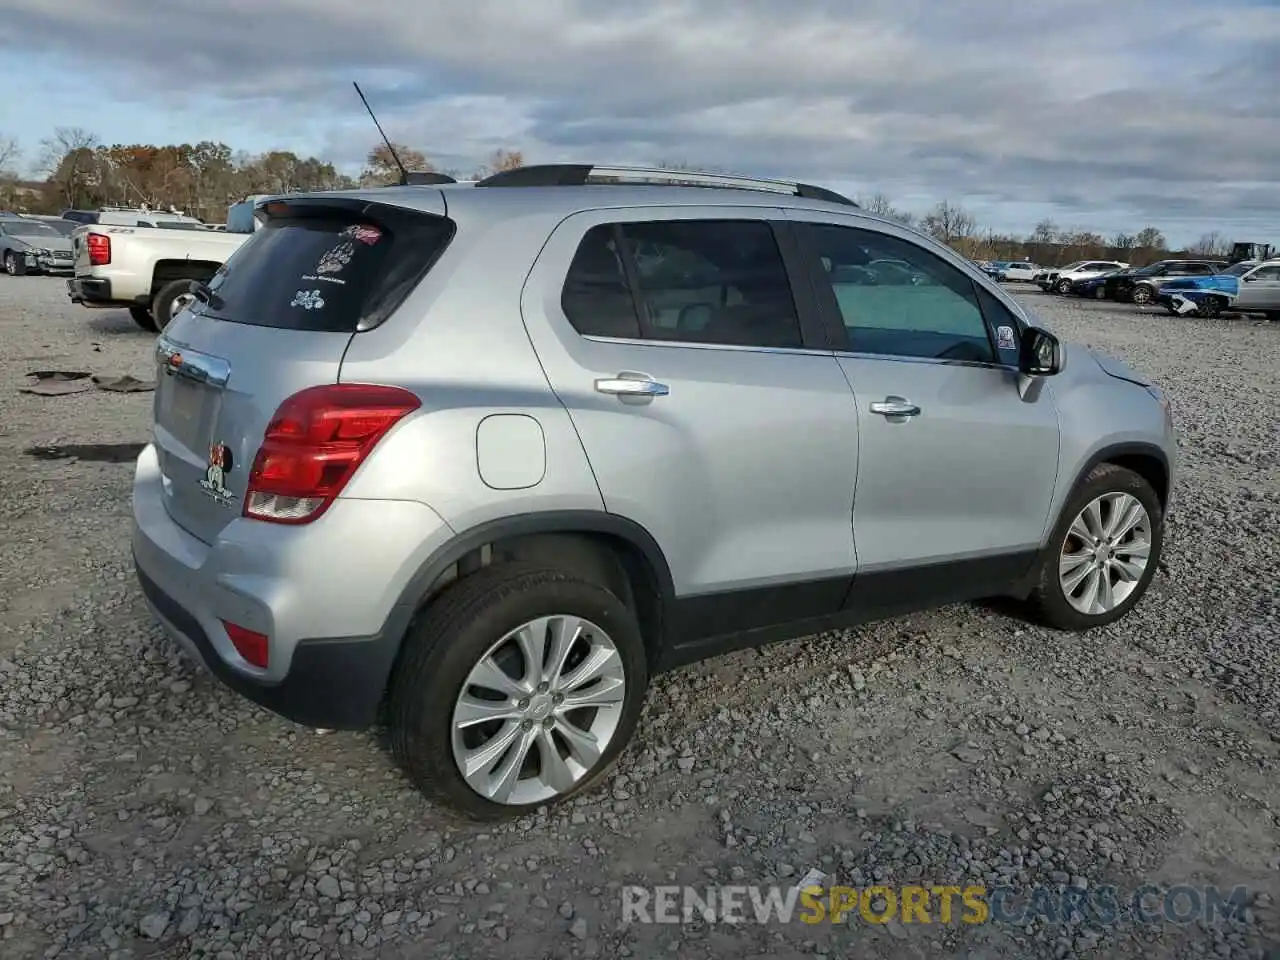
(613, 551)
(1145, 459)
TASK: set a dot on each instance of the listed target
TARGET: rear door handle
(632, 386)
(895, 407)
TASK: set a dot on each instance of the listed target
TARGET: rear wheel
(1064, 286)
(1141, 295)
(518, 687)
(1103, 553)
(170, 301)
(142, 317)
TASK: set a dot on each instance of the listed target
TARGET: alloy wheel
(538, 710)
(1104, 554)
(180, 303)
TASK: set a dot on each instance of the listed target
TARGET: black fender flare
(1127, 450)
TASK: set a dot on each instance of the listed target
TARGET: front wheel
(1064, 286)
(1103, 553)
(1210, 307)
(14, 265)
(1141, 295)
(519, 687)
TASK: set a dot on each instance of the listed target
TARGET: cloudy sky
(1098, 115)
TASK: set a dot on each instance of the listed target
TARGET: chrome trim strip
(191, 364)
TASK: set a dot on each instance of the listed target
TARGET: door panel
(971, 475)
(1261, 290)
(743, 467)
(955, 462)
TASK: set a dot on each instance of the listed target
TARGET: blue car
(1203, 296)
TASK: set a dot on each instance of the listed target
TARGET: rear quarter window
(327, 270)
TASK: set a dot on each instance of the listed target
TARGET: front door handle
(895, 407)
(632, 386)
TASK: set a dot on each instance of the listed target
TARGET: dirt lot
(146, 812)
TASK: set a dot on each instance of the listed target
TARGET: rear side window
(327, 269)
(718, 282)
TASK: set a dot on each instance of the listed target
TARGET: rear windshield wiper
(201, 291)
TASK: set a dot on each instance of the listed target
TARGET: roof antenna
(404, 174)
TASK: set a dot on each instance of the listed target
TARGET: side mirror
(1250, 279)
(1039, 353)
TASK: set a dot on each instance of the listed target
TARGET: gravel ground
(146, 812)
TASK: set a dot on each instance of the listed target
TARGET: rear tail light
(253, 646)
(99, 249)
(314, 443)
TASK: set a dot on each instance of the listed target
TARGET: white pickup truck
(149, 269)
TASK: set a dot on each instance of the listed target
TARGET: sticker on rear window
(364, 233)
(307, 300)
(336, 257)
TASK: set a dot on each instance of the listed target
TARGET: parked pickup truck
(147, 270)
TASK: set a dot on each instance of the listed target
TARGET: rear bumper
(330, 596)
(96, 292)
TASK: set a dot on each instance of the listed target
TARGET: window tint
(898, 299)
(712, 281)
(596, 297)
(700, 281)
(326, 271)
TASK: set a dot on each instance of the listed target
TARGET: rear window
(327, 270)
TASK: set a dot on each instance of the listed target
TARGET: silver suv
(479, 460)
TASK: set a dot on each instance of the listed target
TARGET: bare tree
(70, 161)
(65, 141)
(1212, 244)
(1045, 233)
(9, 154)
(1123, 241)
(881, 206)
(948, 223)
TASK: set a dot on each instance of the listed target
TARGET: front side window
(1266, 273)
(718, 282)
(922, 307)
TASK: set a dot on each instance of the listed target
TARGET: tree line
(203, 179)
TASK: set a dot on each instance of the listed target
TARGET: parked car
(128, 217)
(403, 457)
(1095, 286)
(1245, 286)
(1020, 271)
(1141, 286)
(1060, 280)
(28, 246)
(147, 269)
(64, 227)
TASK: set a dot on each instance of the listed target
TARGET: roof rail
(578, 174)
(419, 178)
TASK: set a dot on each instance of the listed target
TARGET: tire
(470, 621)
(1273, 315)
(169, 301)
(1049, 602)
(1141, 295)
(1064, 286)
(14, 265)
(142, 317)
(1211, 307)
(1100, 293)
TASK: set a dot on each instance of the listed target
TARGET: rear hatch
(275, 319)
